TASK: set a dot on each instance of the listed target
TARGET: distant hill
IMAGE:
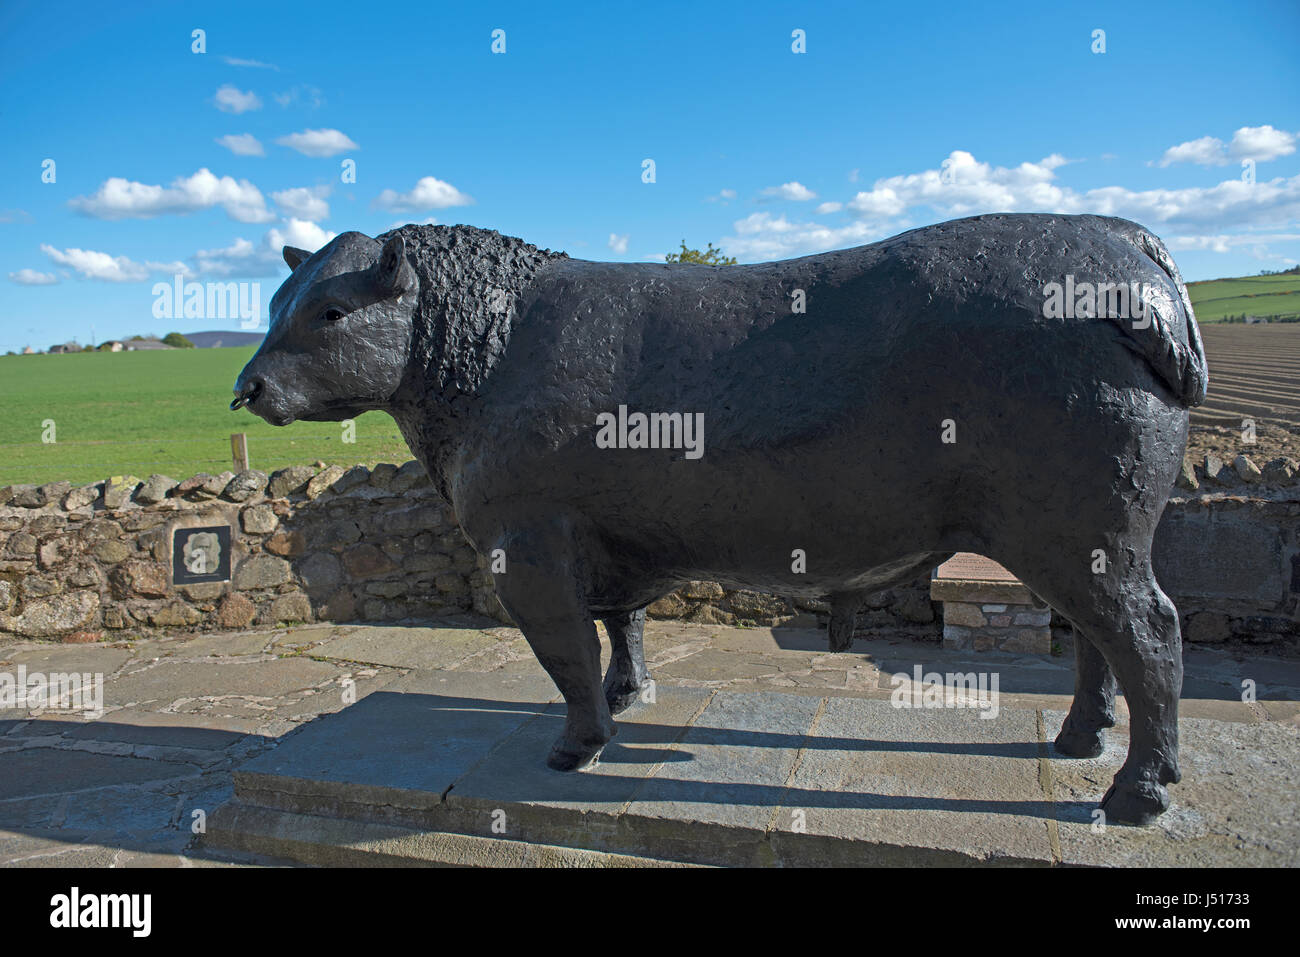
(1275, 297)
(224, 339)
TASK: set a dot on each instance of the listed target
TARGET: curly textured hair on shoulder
(470, 282)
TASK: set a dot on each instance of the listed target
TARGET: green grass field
(143, 412)
(1213, 299)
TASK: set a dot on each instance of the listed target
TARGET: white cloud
(1232, 203)
(300, 233)
(724, 197)
(307, 94)
(793, 191)
(119, 198)
(427, 221)
(224, 262)
(618, 243)
(236, 61)
(1260, 143)
(762, 236)
(230, 99)
(429, 193)
(105, 268)
(318, 142)
(1224, 242)
(303, 203)
(245, 258)
(1206, 151)
(241, 144)
(30, 277)
(824, 208)
(963, 186)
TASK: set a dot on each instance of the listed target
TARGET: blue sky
(169, 161)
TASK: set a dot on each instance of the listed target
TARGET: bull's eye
(332, 314)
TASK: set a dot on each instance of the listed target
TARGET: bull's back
(924, 363)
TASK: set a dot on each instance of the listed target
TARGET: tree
(177, 341)
(710, 256)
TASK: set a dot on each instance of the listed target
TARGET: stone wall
(905, 609)
(380, 545)
(333, 544)
(1227, 553)
(1231, 563)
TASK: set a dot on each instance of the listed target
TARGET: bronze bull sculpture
(824, 426)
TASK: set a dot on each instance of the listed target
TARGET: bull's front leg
(544, 595)
(627, 676)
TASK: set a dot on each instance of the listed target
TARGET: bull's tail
(1175, 353)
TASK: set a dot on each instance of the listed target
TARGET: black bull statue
(1012, 385)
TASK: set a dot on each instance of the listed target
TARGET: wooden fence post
(239, 450)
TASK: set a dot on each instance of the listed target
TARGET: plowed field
(1254, 374)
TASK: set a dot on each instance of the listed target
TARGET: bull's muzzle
(246, 394)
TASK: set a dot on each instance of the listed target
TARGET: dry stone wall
(305, 544)
(359, 544)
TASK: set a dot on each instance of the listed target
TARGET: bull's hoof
(1134, 804)
(622, 695)
(1080, 744)
(568, 755)
(1170, 772)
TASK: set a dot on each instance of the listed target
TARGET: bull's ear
(294, 256)
(391, 268)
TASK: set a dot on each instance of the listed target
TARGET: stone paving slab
(406, 647)
(401, 749)
(550, 807)
(946, 780)
(1239, 800)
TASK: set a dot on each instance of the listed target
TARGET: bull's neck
(472, 286)
(439, 401)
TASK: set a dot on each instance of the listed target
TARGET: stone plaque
(201, 555)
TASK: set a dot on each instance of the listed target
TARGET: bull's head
(340, 333)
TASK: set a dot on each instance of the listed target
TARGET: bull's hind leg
(627, 676)
(543, 594)
(1125, 615)
(1093, 709)
(845, 606)
(1146, 655)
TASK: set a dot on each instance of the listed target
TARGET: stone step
(342, 842)
(448, 768)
